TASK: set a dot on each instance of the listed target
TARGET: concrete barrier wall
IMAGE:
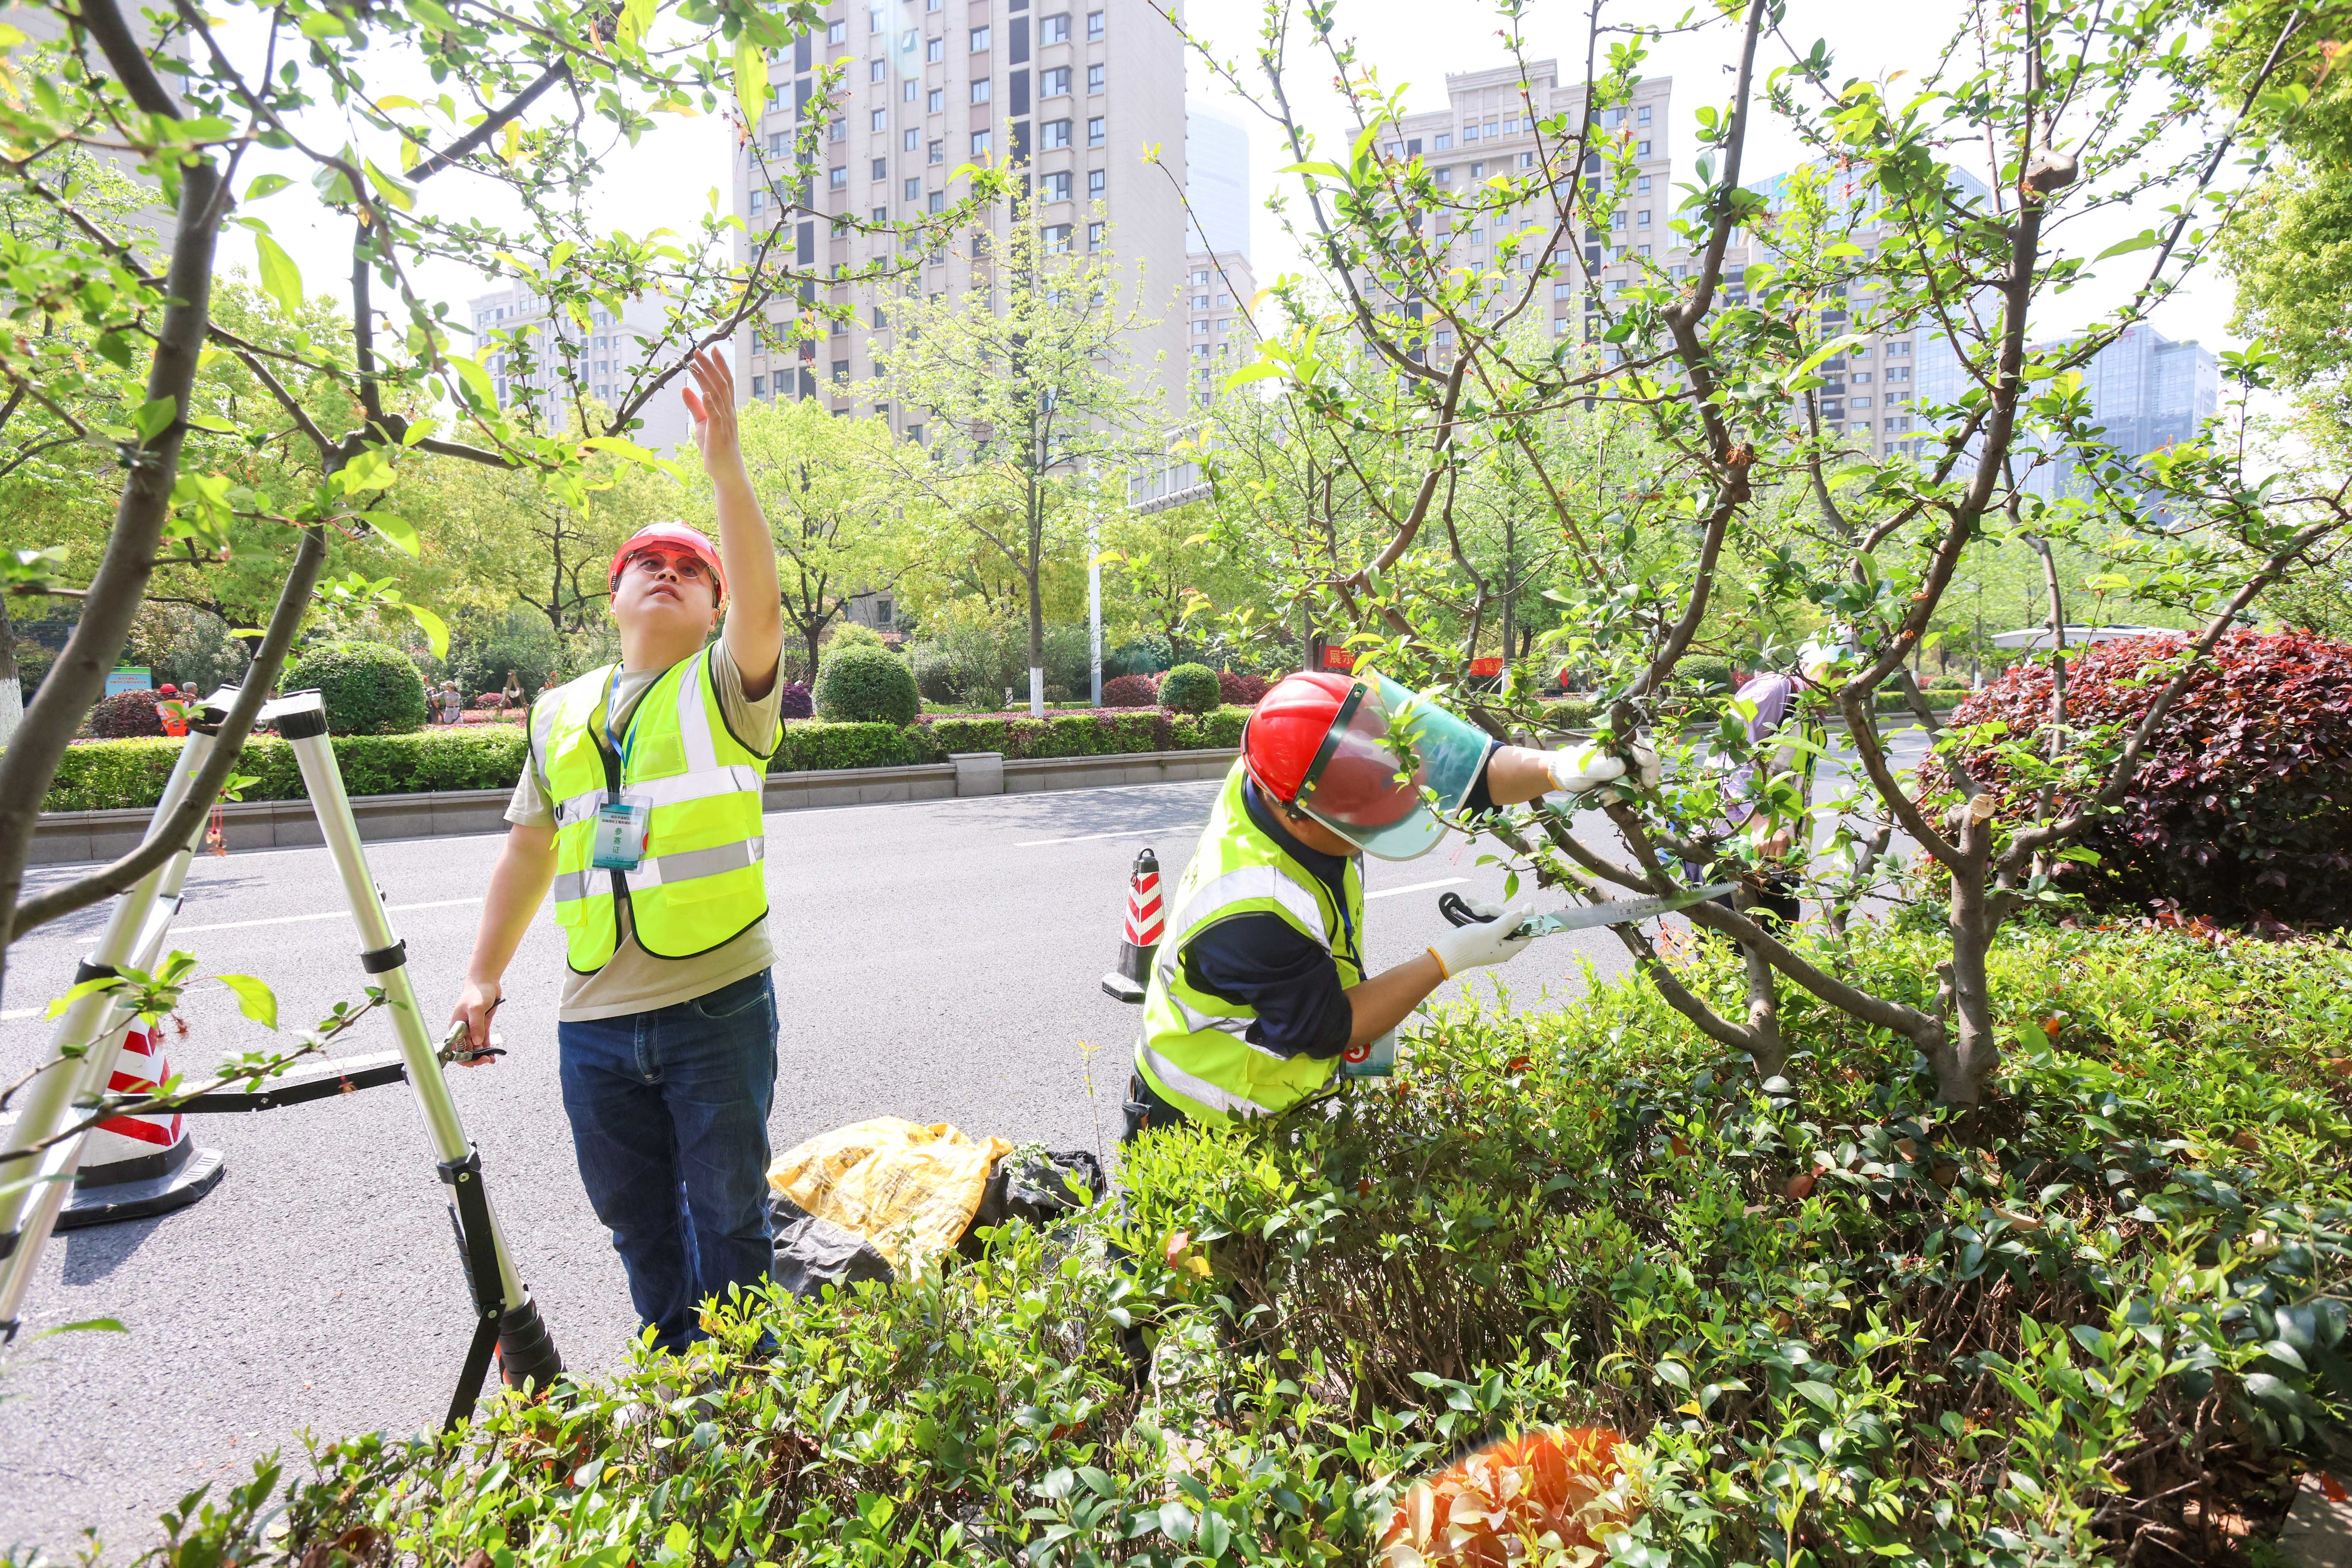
(67, 837)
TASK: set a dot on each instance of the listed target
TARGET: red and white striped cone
(136, 1167)
(1146, 920)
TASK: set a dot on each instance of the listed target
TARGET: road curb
(65, 837)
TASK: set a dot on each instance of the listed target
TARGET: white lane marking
(326, 915)
(1414, 887)
(1122, 832)
(21, 1013)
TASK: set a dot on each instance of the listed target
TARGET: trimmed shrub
(126, 714)
(1146, 655)
(816, 745)
(1217, 730)
(1569, 713)
(369, 688)
(492, 702)
(1190, 688)
(849, 634)
(793, 702)
(2243, 803)
(113, 775)
(1240, 690)
(1131, 691)
(865, 683)
(1704, 672)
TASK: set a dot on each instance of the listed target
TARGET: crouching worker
(1259, 989)
(640, 804)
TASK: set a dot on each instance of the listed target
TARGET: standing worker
(640, 804)
(1259, 988)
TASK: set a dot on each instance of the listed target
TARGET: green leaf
(396, 533)
(477, 380)
(87, 1325)
(398, 191)
(102, 983)
(2140, 241)
(322, 25)
(280, 278)
(155, 417)
(1835, 346)
(622, 447)
(1263, 370)
(436, 629)
(1821, 1394)
(637, 15)
(751, 79)
(266, 185)
(256, 1000)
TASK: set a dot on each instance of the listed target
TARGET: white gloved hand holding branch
(1577, 769)
(1487, 942)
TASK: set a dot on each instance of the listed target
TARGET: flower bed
(488, 754)
(1835, 1324)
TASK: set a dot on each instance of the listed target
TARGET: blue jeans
(669, 1119)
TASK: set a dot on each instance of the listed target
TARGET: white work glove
(1577, 769)
(1488, 942)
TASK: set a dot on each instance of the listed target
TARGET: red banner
(1339, 659)
(1485, 667)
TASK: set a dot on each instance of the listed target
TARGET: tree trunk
(12, 688)
(1036, 598)
(1965, 1057)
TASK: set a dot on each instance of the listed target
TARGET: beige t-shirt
(633, 980)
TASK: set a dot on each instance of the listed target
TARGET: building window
(1562, 290)
(1095, 235)
(1558, 325)
(1056, 134)
(1054, 187)
(1058, 238)
(1097, 184)
(907, 41)
(841, 369)
(1200, 301)
(1094, 24)
(1642, 218)
(881, 169)
(935, 50)
(1642, 114)
(880, 215)
(935, 153)
(1094, 78)
(980, 90)
(759, 200)
(1053, 29)
(836, 131)
(1444, 337)
(1641, 184)
(875, 71)
(939, 201)
(913, 189)
(1896, 351)
(1617, 220)
(935, 101)
(878, 120)
(838, 179)
(979, 39)
(909, 91)
(1201, 328)
(1054, 82)
(1200, 275)
(779, 143)
(1095, 131)
(1640, 149)
(979, 143)
(910, 140)
(1470, 132)
(837, 32)
(759, 386)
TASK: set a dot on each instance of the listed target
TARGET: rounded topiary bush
(2242, 804)
(1130, 691)
(1190, 688)
(1240, 690)
(1704, 672)
(369, 688)
(863, 683)
(124, 715)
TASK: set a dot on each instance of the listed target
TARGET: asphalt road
(938, 962)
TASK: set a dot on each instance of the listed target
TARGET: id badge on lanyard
(622, 823)
(621, 827)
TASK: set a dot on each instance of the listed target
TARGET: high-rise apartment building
(1217, 336)
(1073, 92)
(1216, 181)
(609, 351)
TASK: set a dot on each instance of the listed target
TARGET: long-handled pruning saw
(1581, 917)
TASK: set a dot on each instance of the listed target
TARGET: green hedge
(1923, 1337)
(102, 775)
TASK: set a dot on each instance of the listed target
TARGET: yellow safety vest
(1194, 1052)
(701, 882)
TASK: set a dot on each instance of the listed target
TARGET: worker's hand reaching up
(1492, 940)
(1577, 769)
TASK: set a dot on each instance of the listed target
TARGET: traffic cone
(1146, 921)
(136, 1167)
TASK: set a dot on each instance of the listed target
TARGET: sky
(670, 177)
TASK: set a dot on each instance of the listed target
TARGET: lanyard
(621, 746)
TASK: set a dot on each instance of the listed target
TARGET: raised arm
(755, 623)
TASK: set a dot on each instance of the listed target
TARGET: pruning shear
(1578, 917)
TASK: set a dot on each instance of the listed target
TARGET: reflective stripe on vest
(1195, 1053)
(702, 882)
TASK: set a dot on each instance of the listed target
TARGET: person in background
(1778, 698)
(639, 806)
(172, 709)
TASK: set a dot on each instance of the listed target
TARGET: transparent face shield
(1388, 746)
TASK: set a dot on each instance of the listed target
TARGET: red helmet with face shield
(1362, 756)
(672, 536)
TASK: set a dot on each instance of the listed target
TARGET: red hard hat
(677, 536)
(1286, 729)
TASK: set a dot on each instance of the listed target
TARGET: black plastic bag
(812, 1253)
(1037, 1190)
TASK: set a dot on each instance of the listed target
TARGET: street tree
(1950, 212)
(1034, 400)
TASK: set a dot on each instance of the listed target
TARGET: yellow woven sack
(910, 1189)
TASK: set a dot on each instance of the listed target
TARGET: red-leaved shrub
(793, 701)
(124, 715)
(2242, 806)
(1240, 690)
(1130, 691)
